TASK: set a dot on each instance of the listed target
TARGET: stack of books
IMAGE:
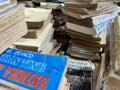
(85, 10)
(86, 25)
(40, 31)
(59, 25)
(12, 23)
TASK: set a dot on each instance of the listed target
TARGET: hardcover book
(23, 70)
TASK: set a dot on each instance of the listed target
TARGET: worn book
(36, 14)
(83, 36)
(81, 29)
(116, 37)
(83, 16)
(83, 55)
(31, 71)
(80, 64)
(34, 31)
(93, 21)
(49, 47)
(41, 24)
(87, 6)
(38, 44)
(95, 30)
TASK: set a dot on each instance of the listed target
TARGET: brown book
(78, 41)
(116, 48)
(87, 5)
(83, 36)
(88, 22)
(89, 48)
(83, 16)
(80, 28)
(89, 56)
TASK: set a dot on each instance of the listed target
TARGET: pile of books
(12, 23)
(59, 25)
(86, 25)
(40, 31)
(85, 10)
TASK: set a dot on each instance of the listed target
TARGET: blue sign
(32, 70)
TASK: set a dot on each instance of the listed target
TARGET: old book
(88, 6)
(90, 11)
(92, 21)
(55, 49)
(12, 26)
(36, 22)
(35, 33)
(83, 36)
(49, 47)
(38, 44)
(81, 29)
(84, 55)
(116, 37)
(19, 67)
(85, 27)
(36, 14)
(51, 5)
(83, 16)
(85, 48)
(80, 64)
(78, 41)
(75, 48)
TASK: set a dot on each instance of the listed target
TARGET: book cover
(32, 71)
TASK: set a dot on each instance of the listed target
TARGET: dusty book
(31, 71)
(37, 44)
(93, 21)
(36, 18)
(116, 49)
(34, 31)
(80, 26)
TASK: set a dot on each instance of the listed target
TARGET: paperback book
(23, 70)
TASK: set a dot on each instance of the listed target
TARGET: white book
(36, 14)
(39, 43)
(81, 29)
